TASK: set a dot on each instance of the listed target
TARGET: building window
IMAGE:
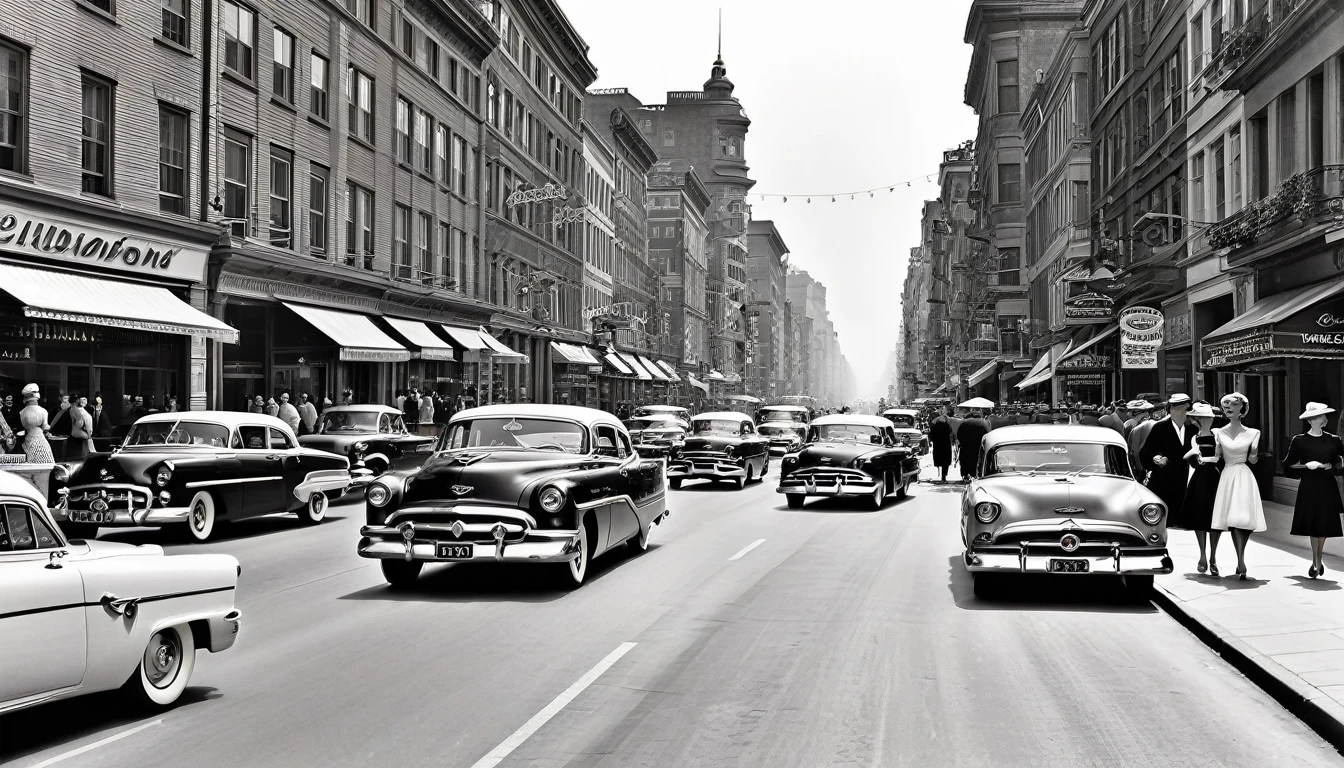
(318, 183)
(361, 9)
(175, 27)
(1219, 182)
(1197, 201)
(444, 263)
(282, 186)
(97, 136)
(401, 241)
(1010, 267)
(1008, 91)
(423, 128)
(1287, 139)
(317, 100)
(13, 92)
(669, 138)
(403, 136)
(237, 182)
(173, 160)
(460, 165)
(1234, 165)
(282, 80)
(1010, 183)
(443, 168)
(358, 226)
(240, 26)
(359, 95)
(424, 229)
(491, 103)
(408, 31)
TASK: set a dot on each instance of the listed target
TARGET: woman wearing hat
(33, 419)
(1196, 513)
(1237, 507)
(1316, 454)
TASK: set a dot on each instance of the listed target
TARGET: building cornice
(625, 131)
(549, 16)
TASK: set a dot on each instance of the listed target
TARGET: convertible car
(79, 617)
(849, 454)
(551, 485)
(373, 437)
(908, 433)
(1061, 499)
(723, 445)
(198, 468)
(656, 435)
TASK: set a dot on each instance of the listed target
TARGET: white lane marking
(521, 735)
(747, 549)
(95, 745)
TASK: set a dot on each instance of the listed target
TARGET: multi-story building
(678, 237)
(822, 363)
(917, 379)
(103, 246)
(599, 230)
(975, 346)
(767, 265)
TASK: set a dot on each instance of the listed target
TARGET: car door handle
(272, 457)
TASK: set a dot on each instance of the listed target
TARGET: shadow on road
(1043, 592)
(855, 504)
(1316, 585)
(230, 531)
(63, 722)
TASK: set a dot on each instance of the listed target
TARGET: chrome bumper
(721, 471)
(386, 543)
(224, 630)
(845, 487)
(131, 518)
(323, 480)
(1118, 561)
(781, 450)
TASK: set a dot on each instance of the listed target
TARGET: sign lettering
(1140, 337)
(22, 231)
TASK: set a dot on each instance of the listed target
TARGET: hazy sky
(864, 94)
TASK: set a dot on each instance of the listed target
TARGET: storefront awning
(983, 373)
(615, 361)
(1042, 371)
(431, 346)
(668, 369)
(566, 355)
(653, 369)
(1077, 348)
(1307, 322)
(67, 297)
(632, 362)
(698, 384)
(466, 338)
(714, 375)
(585, 354)
(356, 335)
(501, 353)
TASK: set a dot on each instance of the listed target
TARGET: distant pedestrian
(288, 413)
(272, 408)
(257, 405)
(1114, 417)
(970, 434)
(426, 411)
(1316, 456)
(940, 438)
(307, 415)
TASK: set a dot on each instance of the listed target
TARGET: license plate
(455, 551)
(1068, 566)
(85, 516)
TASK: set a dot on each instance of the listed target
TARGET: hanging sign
(538, 195)
(1140, 337)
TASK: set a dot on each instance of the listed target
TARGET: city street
(747, 635)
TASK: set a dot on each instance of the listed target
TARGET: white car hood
(94, 550)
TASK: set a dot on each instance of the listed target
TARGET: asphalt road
(841, 638)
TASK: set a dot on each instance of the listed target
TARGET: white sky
(862, 94)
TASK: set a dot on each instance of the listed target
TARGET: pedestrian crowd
(29, 427)
(1202, 473)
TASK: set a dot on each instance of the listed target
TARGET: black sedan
(197, 468)
(373, 437)
(722, 446)
(849, 455)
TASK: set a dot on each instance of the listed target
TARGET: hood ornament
(462, 490)
(1069, 510)
(103, 473)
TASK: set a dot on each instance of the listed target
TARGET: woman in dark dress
(940, 437)
(1316, 455)
(1196, 511)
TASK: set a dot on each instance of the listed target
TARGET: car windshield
(649, 411)
(902, 421)
(846, 433)
(349, 421)
(636, 425)
(779, 429)
(796, 417)
(719, 427)
(516, 432)
(1060, 457)
(188, 433)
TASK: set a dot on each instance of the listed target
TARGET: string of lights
(851, 195)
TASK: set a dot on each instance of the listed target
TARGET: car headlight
(1151, 513)
(856, 463)
(551, 499)
(791, 458)
(728, 451)
(360, 447)
(61, 473)
(987, 511)
(163, 476)
(378, 494)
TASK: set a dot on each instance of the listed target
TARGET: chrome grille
(117, 498)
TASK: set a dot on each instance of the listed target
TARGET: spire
(719, 59)
(718, 74)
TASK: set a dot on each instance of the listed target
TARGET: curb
(1321, 713)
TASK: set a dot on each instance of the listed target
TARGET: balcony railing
(1241, 43)
(1302, 198)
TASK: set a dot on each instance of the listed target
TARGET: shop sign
(1084, 380)
(15, 353)
(27, 233)
(1088, 308)
(1140, 337)
(626, 313)
(1085, 362)
(1317, 332)
(1177, 330)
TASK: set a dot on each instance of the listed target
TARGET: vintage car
(1061, 499)
(906, 422)
(373, 437)
(785, 426)
(722, 445)
(656, 435)
(681, 414)
(551, 485)
(198, 468)
(849, 454)
(789, 414)
(79, 617)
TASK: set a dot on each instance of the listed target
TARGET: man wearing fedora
(1163, 454)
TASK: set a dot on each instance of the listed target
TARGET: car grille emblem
(457, 529)
(462, 490)
(1069, 510)
(103, 473)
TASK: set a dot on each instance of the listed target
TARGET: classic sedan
(849, 454)
(79, 617)
(198, 468)
(656, 435)
(906, 422)
(676, 411)
(552, 485)
(784, 436)
(373, 437)
(723, 445)
(1061, 500)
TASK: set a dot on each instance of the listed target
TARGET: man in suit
(1163, 454)
(970, 432)
(1115, 416)
(102, 423)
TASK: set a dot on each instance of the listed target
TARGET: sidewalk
(1281, 629)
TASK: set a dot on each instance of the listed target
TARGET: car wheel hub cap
(198, 516)
(161, 660)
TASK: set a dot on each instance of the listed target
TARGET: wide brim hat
(1315, 409)
(1139, 405)
(31, 389)
(1180, 399)
(1201, 410)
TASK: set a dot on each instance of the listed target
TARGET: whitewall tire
(315, 510)
(575, 570)
(201, 516)
(165, 667)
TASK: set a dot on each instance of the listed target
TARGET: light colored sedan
(80, 616)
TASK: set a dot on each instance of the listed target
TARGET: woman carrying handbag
(1316, 455)
(1196, 512)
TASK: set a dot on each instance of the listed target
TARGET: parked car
(722, 445)
(656, 435)
(538, 484)
(198, 468)
(849, 454)
(908, 432)
(1061, 499)
(373, 437)
(79, 617)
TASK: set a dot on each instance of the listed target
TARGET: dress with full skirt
(1196, 512)
(1237, 504)
(33, 418)
(1318, 507)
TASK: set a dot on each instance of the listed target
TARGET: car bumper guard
(1119, 560)
(388, 543)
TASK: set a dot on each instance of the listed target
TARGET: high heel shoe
(1311, 572)
(1241, 573)
(1201, 566)
(1213, 570)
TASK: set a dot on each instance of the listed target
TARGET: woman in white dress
(1237, 507)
